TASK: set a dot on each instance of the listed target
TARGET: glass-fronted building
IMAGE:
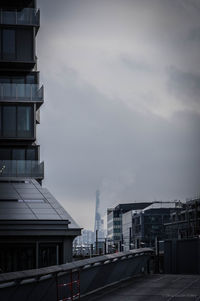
(185, 222)
(35, 230)
(114, 223)
(148, 224)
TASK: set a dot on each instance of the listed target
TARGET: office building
(147, 224)
(185, 222)
(114, 223)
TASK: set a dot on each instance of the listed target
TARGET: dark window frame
(16, 136)
(10, 77)
(11, 149)
(17, 34)
(2, 43)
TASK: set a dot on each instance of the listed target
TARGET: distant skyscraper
(99, 223)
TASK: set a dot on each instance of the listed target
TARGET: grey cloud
(90, 136)
(185, 85)
(136, 65)
(102, 144)
(194, 34)
(190, 4)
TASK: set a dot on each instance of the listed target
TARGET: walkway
(152, 288)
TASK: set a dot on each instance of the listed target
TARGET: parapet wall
(182, 256)
(71, 280)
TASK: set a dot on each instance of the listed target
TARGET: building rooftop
(155, 287)
(28, 200)
(132, 206)
(161, 205)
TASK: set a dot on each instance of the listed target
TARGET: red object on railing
(71, 287)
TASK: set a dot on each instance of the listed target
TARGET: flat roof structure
(155, 287)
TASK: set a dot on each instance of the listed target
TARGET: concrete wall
(182, 256)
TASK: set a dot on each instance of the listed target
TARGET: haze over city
(121, 111)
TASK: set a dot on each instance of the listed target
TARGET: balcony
(22, 93)
(21, 169)
(26, 16)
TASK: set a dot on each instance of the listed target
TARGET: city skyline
(99, 153)
(122, 101)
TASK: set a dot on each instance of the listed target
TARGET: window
(17, 44)
(26, 79)
(19, 87)
(17, 121)
(9, 121)
(17, 257)
(48, 255)
(8, 44)
(117, 223)
(30, 154)
(30, 79)
(9, 17)
(5, 154)
(18, 153)
(24, 121)
(6, 89)
(24, 45)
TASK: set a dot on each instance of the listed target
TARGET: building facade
(127, 229)
(185, 222)
(35, 230)
(114, 223)
(148, 224)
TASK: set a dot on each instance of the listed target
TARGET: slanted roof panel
(30, 201)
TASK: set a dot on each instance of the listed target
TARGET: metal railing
(21, 92)
(21, 169)
(26, 16)
(92, 274)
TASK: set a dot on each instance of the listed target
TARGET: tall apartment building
(35, 231)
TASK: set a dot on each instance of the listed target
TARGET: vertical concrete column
(67, 249)
(130, 238)
(97, 247)
(91, 250)
(37, 255)
(105, 246)
(174, 255)
(57, 254)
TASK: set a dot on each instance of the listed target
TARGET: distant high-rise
(99, 223)
(35, 231)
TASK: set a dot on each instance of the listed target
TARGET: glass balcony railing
(26, 16)
(21, 169)
(21, 92)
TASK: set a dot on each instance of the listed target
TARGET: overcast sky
(122, 101)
